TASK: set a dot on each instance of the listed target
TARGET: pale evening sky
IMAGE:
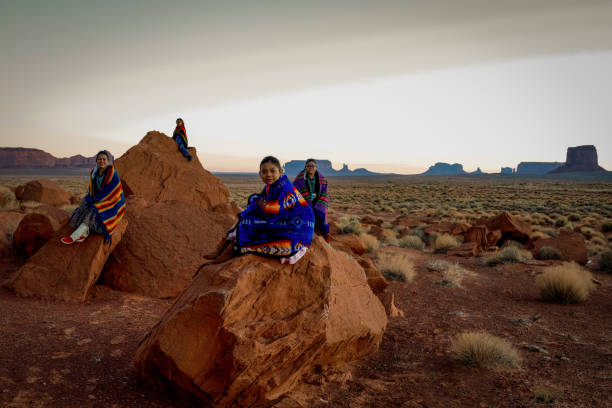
(392, 86)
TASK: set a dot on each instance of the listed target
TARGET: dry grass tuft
(546, 394)
(389, 237)
(350, 225)
(396, 267)
(444, 242)
(484, 350)
(547, 252)
(7, 199)
(565, 283)
(371, 242)
(412, 242)
(509, 254)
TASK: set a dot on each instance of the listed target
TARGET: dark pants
(183, 148)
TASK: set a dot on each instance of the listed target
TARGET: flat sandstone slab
(65, 272)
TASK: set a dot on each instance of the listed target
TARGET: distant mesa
(26, 158)
(445, 169)
(579, 159)
(293, 167)
(507, 170)
(537, 167)
(478, 171)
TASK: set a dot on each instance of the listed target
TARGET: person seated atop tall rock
(103, 206)
(180, 137)
(276, 223)
(313, 187)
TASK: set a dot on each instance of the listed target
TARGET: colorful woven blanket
(108, 201)
(180, 131)
(320, 204)
(279, 228)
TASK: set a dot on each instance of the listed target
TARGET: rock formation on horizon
(293, 167)
(26, 158)
(536, 167)
(579, 159)
(445, 169)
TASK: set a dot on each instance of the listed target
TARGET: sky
(394, 86)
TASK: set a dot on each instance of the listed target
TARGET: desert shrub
(606, 226)
(443, 242)
(418, 232)
(371, 242)
(548, 252)
(348, 225)
(512, 243)
(539, 234)
(598, 241)
(546, 394)
(484, 350)
(509, 254)
(605, 262)
(561, 221)
(573, 217)
(412, 242)
(396, 267)
(389, 237)
(8, 200)
(565, 283)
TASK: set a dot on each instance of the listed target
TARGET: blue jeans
(182, 147)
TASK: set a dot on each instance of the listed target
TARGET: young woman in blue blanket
(276, 223)
(103, 206)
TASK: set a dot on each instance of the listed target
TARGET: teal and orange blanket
(282, 226)
(320, 201)
(108, 200)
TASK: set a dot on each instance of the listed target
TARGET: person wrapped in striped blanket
(313, 187)
(276, 223)
(104, 205)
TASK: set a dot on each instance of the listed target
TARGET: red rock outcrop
(65, 272)
(510, 227)
(164, 246)
(46, 192)
(9, 221)
(452, 228)
(477, 234)
(467, 249)
(155, 170)
(493, 237)
(33, 232)
(245, 332)
(58, 217)
(354, 242)
(579, 158)
(569, 243)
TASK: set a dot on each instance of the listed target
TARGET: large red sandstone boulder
(65, 272)
(46, 192)
(477, 234)
(376, 280)
(569, 243)
(164, 246)
(510, 227)
(58, 217)
(493, 237)
(33, 232)
(247, 331)
(155, 170)
(9, 221)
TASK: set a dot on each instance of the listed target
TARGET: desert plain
(58, 354)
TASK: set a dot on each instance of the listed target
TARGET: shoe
(81, 238)
(67, 240)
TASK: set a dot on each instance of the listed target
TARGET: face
(269, 173)
(311, 169)
(179, 122)
(102, 161)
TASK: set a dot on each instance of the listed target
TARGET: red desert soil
(55, 354)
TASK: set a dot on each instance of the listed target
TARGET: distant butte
(579, 159)
(26, 158)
